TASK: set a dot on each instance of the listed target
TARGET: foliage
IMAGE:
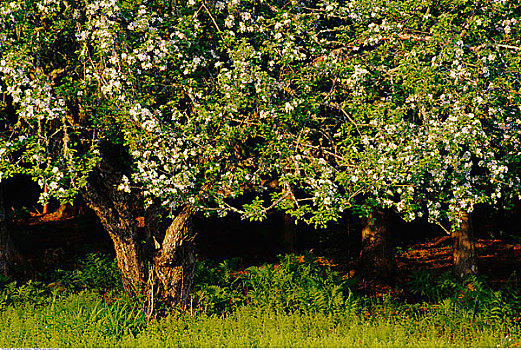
(218, 289)
(30, 292)
(472, 295)
(96, 272)
(3, 280)
(298, 285)
(294, 284)
(343, 105)
(313, 108)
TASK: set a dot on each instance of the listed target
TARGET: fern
(295, 284)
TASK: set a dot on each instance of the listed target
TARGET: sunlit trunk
(463, 251)
(118, 214)
(173, 265)
(155, 263)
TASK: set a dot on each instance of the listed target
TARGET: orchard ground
(55, 239)
(68, 304)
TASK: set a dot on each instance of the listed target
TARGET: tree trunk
(157, 264)
(463, 251)
(289, 233)
(9, 256)
(118, 212)
(173, 266)
(377, 263)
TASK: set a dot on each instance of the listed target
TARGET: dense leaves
(315, 107)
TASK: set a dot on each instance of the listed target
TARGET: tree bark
(156, 264)
(118, 212)
(173, 267)
(9, 255)
(377, 263)
(289, 233)
(463, 248)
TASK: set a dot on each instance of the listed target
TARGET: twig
(151, 302)
(213, 19)
(482, 46)
(443, 227)
(348, 117)
(412, 37)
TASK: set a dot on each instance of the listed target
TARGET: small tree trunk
(289, 233)
(8, 253)
(463, 251)
(155, 263)
(44, 210)
(377, 263)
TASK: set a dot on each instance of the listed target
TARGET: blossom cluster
(317, 107)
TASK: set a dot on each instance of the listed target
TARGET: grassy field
(290, 304)
(85, 321)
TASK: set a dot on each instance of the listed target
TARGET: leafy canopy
(314, 107)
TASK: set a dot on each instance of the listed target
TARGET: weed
(31, 292)
(218, 288)
(421, 284)
(472, 296)
(97, 272)
(296, 283)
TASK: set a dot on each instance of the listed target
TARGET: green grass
(85, 321)
(249, 327)
(71, 321)
(296, 303)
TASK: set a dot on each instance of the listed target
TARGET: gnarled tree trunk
(155, 263)
(173, 267)
(377, 263)
(463, 251)
(118, 212)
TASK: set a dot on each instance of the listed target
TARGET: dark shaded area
(504, 225)
(54, 240)
(57, 239)
(254, 242)
(377, 264)
(21, 196)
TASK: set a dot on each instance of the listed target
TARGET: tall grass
(84, 321)
(297, 302)
(76, 320)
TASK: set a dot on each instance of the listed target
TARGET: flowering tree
(157, 110)
(434, 93)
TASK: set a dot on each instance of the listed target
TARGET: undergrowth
(96, 272)
(296, 283)
(298, 302)
(471, 296)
